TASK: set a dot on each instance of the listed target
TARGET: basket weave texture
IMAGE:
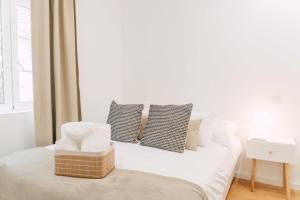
(85, 165)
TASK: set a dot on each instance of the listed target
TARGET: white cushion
(223, 131)
(206, 127)
(206, 131)
(215, 130)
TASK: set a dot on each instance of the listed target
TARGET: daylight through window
(15, 55)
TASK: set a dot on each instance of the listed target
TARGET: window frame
(12, 101)
(7, 57)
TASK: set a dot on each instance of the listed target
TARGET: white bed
(211, 167)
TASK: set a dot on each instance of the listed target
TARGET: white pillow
(206, 131)
(223, 131)
(146, 109)
(206, 127)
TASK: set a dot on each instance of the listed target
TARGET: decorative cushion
(167, 127)
(142, 126)
(193, 134)
(125, 121)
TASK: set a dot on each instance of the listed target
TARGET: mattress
(210, 167)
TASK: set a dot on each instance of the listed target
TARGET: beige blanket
(29, 175)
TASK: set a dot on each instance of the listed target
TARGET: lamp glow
(263, 123)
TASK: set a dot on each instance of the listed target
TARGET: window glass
(1, 61)
(24, 59)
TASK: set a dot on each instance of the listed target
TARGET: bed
(210, 168)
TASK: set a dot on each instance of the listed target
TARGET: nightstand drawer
(275, 152)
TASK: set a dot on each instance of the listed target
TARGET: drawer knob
(270, 152)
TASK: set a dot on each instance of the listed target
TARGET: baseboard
(294, 186)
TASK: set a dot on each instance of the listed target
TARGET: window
(15, 55)
(1, 63)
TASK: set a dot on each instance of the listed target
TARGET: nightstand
(274, 149)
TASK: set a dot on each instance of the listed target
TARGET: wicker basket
(85, 165)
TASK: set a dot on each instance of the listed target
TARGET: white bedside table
(274, 149)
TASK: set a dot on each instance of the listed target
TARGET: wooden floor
(240, 191)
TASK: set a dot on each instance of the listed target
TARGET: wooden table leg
(284, 172)
(286, 182)
(253, 176)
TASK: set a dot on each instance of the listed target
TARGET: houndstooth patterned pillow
(167, 127)
(125, 121)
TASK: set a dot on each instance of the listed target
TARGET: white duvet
(210, 167)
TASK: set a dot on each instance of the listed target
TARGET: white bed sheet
(209, 167)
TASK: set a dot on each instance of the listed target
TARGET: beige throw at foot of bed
(29, 175)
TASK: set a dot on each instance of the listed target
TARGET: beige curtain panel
(55, 68)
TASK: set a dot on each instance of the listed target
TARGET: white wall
(17, 132)
(229, 57)
(100, 60)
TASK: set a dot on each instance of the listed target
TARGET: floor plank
(240, 190)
